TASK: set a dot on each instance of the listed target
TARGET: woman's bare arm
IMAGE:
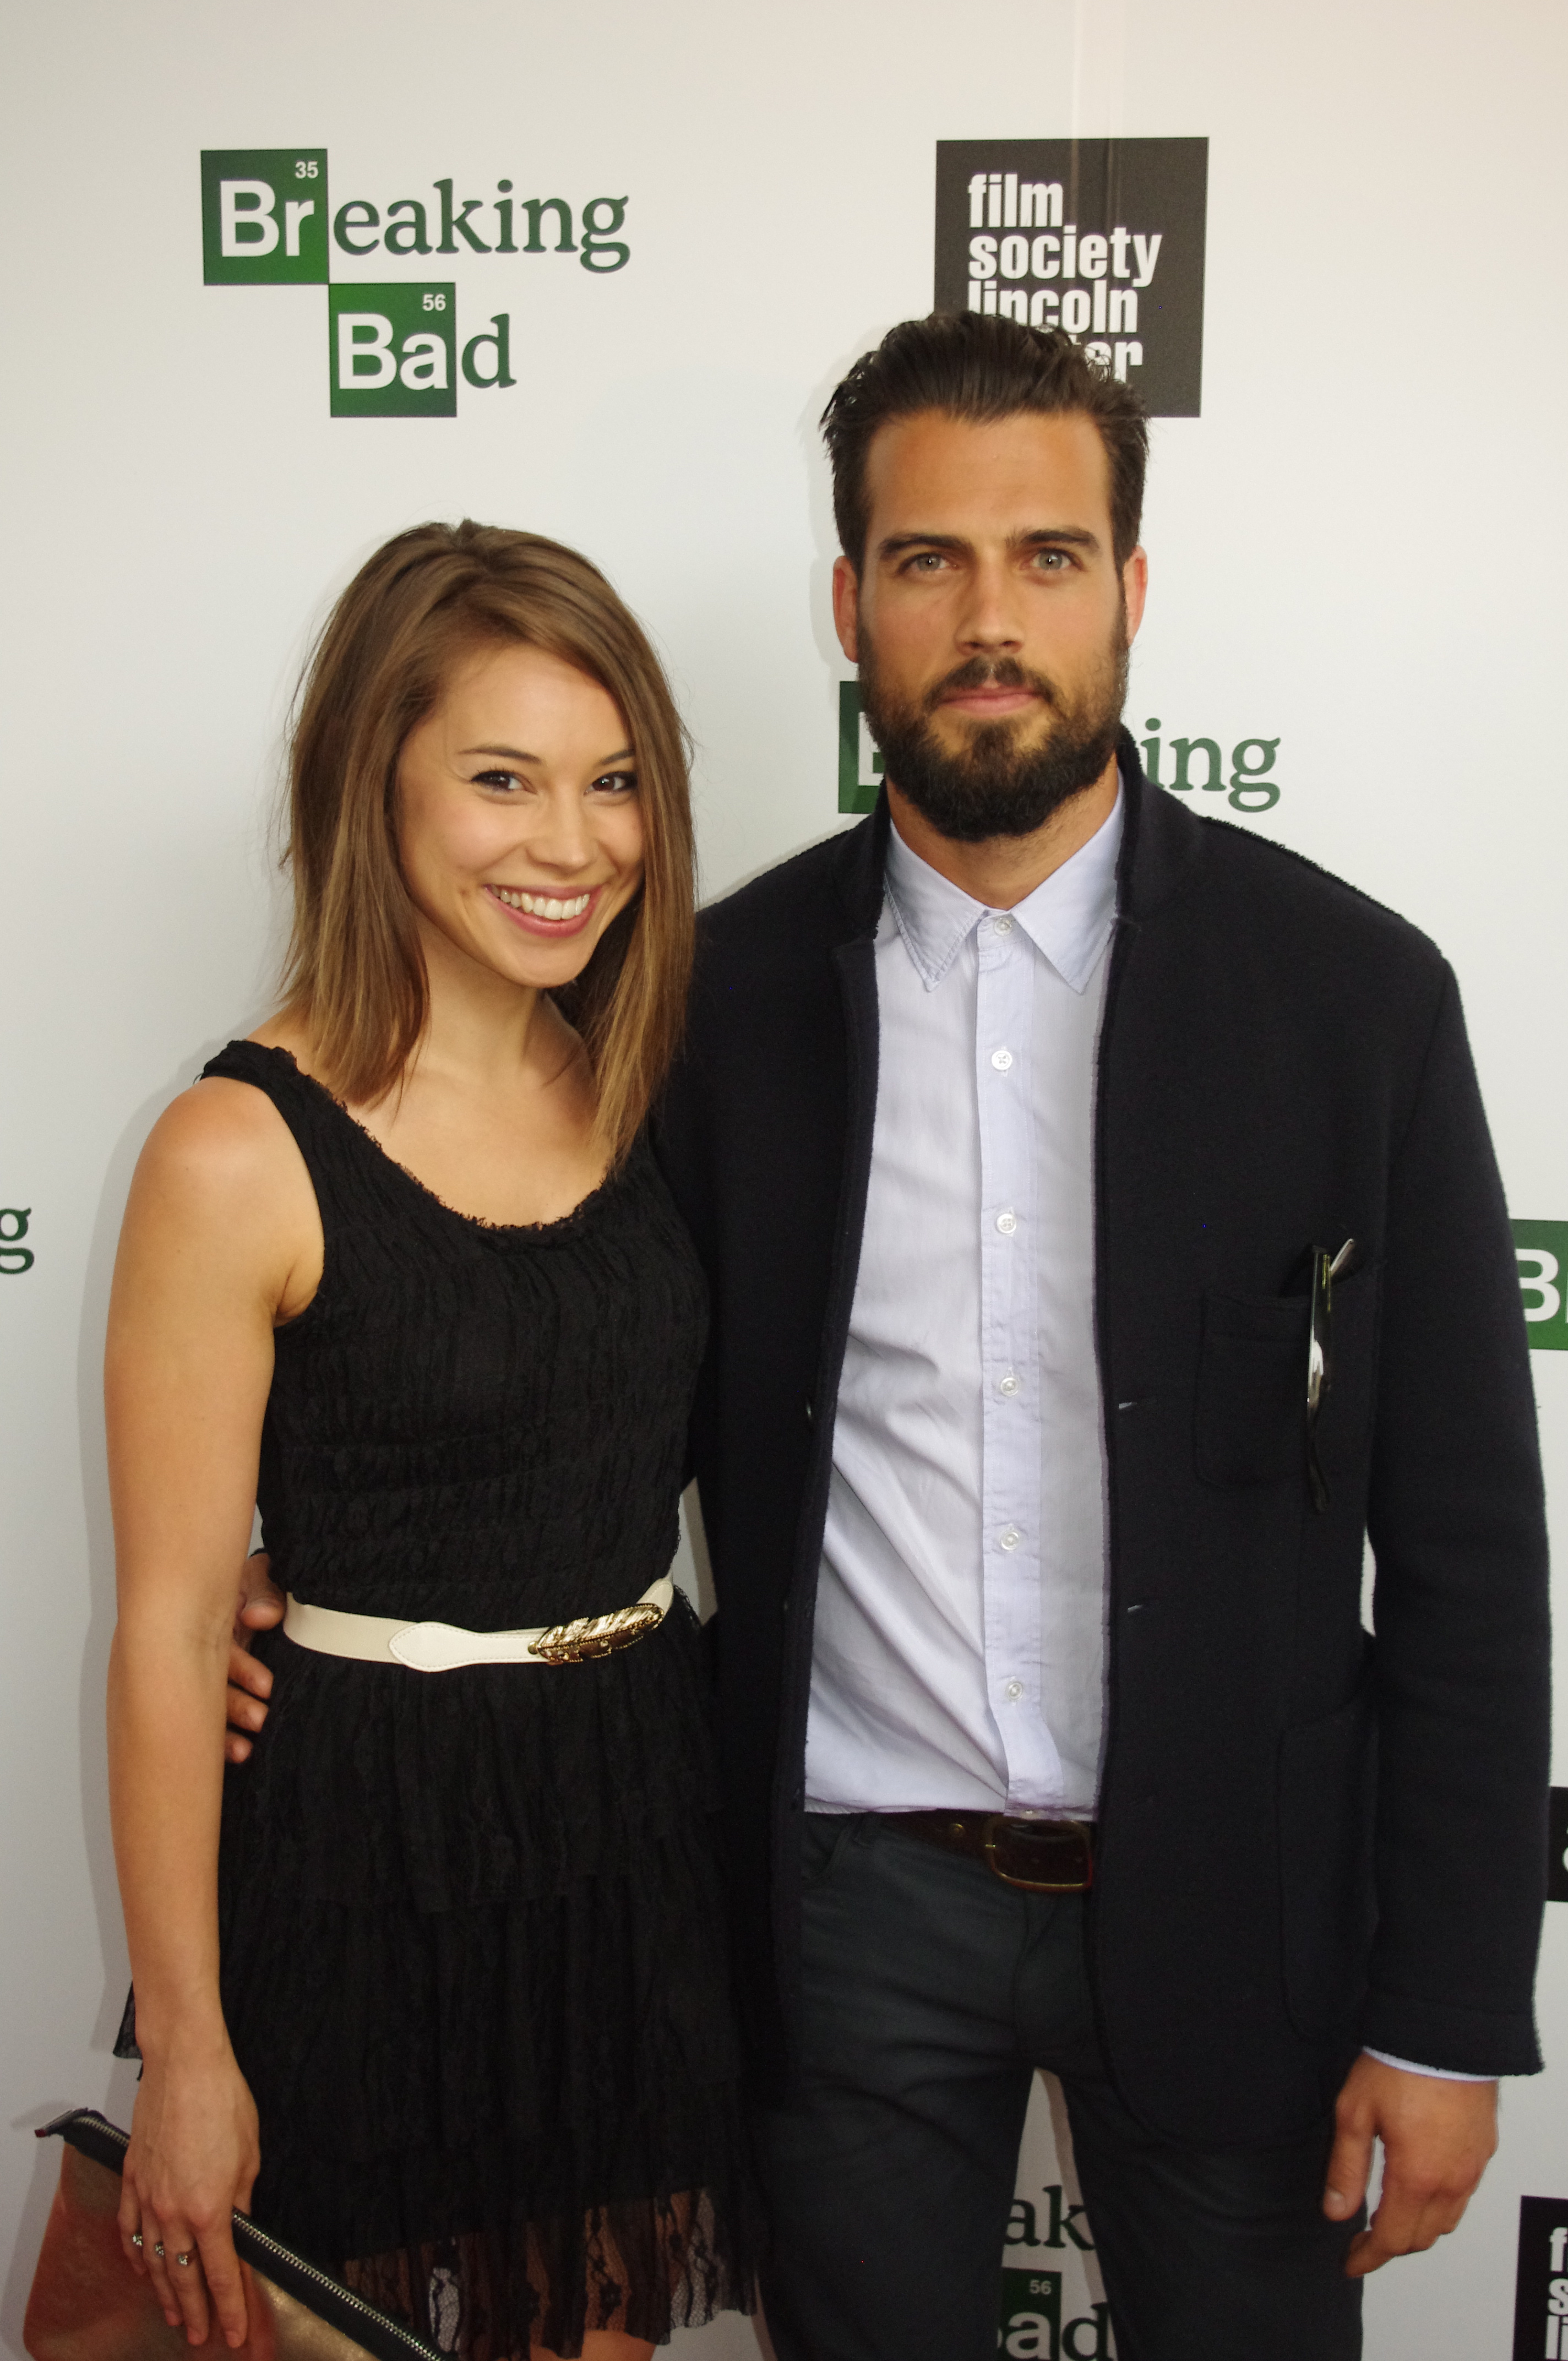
(219, 1239)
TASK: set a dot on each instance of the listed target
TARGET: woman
(434, 1988)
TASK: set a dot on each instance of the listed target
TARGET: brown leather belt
(1037, 1856)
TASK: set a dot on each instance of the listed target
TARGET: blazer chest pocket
(1251, 1422)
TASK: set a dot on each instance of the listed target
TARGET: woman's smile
(546, 913)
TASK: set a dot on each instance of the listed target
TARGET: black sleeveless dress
(472, 1944)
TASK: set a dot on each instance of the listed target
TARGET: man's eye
(927, 561)
(615, 782)
(1055, 561)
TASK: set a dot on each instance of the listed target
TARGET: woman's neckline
(474, 1221)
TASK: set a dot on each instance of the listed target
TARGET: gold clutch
(87, 2304)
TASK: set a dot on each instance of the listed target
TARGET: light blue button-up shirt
(958, 1650)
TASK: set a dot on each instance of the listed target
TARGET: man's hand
(260, 1609)
(1437, 2138)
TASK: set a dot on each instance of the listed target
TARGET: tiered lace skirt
(474, 1972)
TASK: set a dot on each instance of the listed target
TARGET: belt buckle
(998, 1820)
(591, 1636)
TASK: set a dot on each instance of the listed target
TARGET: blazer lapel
(1162, 843)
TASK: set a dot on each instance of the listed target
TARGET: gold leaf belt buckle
(597, 1635)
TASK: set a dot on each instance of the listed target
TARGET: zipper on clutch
(382, 2320)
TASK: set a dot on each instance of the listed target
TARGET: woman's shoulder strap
(322, 1130)
(273, 1071)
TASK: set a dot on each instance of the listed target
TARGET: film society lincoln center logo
(394, 347)
(1100, 237)
(1541, 2299)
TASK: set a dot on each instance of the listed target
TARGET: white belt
(443, 1647)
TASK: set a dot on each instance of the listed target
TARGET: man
(1103, 1238)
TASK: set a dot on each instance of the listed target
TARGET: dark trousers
(931, 1994)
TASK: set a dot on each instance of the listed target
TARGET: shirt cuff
(1438, 2073)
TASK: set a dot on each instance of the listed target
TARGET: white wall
(1354, 549)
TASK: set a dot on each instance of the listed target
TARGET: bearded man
(1104, 1237)
(1104, 1240)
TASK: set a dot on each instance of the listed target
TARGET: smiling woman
(432, 1986)
(413, 620)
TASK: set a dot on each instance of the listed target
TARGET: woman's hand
(193, 2157)
(261, 1608)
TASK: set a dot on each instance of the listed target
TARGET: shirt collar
(1067, 919)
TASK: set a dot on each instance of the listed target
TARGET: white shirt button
(1007, 1223)
(1002, 926)
(1002, 1060)
(1011, 1538)
(1007, 1385)
(1013, 1692)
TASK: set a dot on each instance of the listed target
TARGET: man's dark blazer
(1309, 1838)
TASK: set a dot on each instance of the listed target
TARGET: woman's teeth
(542, 906)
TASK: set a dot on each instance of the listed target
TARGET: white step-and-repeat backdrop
(281, 280)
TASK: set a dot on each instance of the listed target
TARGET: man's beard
(994, 785)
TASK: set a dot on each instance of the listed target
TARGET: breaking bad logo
(15, 1258)
(393, 347)
(1190, 763)
(1541, 1249)
(1100, 237)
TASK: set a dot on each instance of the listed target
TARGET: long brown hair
(353, 973)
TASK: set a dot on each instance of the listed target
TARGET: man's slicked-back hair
(977, 367)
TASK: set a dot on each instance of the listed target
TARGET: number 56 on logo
(1543, 1251)
(394, 350)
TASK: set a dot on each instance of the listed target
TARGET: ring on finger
(136, 2239)
(185, 2261)
(157, 2250)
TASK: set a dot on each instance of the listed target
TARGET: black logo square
(1103, 237)
(1557, 1846)
(1540, 2299)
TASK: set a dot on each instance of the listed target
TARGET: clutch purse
(87, 2304)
